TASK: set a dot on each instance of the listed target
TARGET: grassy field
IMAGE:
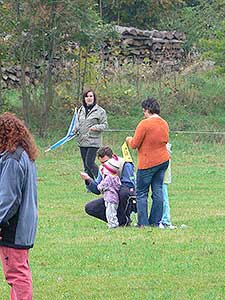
(77, 257)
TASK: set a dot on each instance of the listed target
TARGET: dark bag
(127, 205)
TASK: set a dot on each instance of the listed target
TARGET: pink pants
(17, 272)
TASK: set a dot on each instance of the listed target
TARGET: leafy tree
(137, 13)
(198, 19)
(41, 31)
(6, 32)
(215, 47)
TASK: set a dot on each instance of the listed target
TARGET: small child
(110, 186)
(166, 220)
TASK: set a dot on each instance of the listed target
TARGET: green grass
(77, 257)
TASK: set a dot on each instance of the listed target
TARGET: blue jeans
(145, 178)
(166, 206)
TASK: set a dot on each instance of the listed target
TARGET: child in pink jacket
(110, 186)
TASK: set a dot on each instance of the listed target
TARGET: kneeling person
(96, 207)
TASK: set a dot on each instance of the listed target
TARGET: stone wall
(132, 46)
(135, 45)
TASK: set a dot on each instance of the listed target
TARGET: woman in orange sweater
(150, 139)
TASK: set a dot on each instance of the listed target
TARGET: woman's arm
(103, 123)
(11, 183)
(136, 141)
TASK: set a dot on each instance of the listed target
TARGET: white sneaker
(183, 226)
(171, 226)
(112, 226)
(161, 226)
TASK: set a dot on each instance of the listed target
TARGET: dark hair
(14, 133)
(85, 95)
(105, 151)
(151, 105)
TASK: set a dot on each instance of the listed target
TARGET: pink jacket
(110, 186)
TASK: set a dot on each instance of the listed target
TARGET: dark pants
(88, 155)
(96, 208)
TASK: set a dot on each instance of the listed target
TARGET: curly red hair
(14, 133)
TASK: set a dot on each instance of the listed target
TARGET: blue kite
(69, 136)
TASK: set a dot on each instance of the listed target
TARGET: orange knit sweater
(150, 138)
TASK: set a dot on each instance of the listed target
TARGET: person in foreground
(18, 204)
(109, 187)
(150, 139)
(90, 122)
(96, 208)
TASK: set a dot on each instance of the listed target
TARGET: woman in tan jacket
(91, 121)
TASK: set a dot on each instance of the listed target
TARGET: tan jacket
(96, 118)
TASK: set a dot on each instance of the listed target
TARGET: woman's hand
(128, 139)
(93, 129)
